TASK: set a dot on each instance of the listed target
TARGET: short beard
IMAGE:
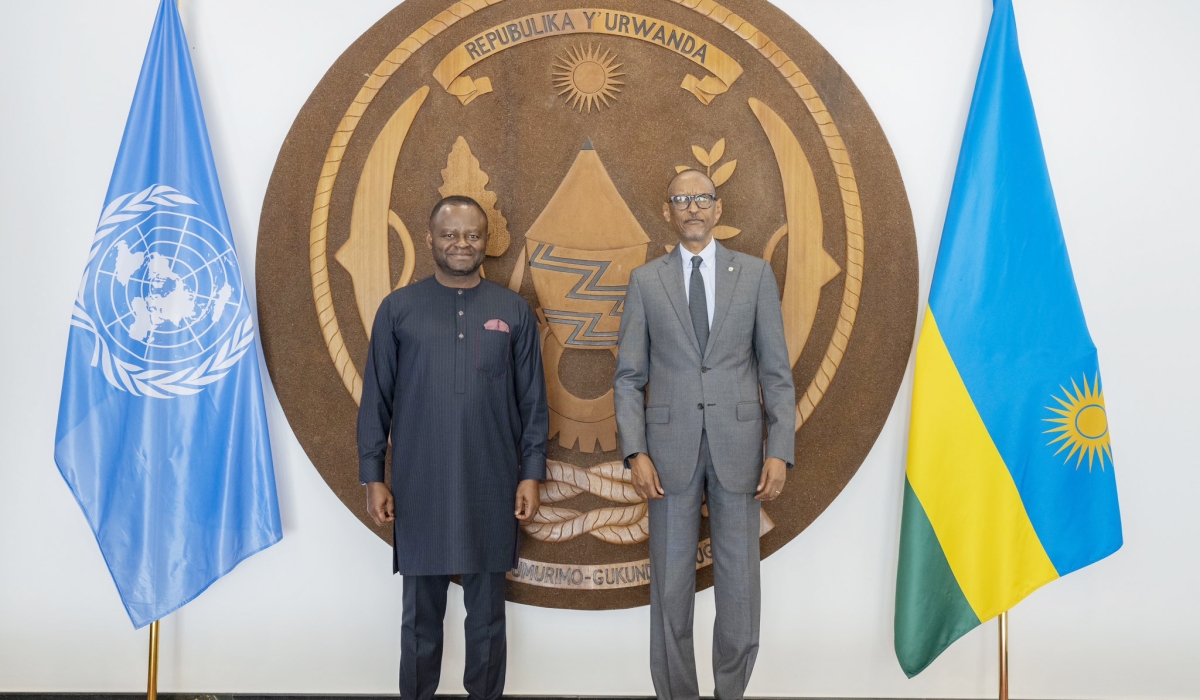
(444, 266)
(694, 236)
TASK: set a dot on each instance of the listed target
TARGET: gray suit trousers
(674, 536)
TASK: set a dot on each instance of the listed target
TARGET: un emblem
(162, 297)
(566, 125)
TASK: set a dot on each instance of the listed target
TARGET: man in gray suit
(701, 339)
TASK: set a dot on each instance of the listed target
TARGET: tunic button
(460, 313)
(460, 335)
(460, 292)
(700, 406)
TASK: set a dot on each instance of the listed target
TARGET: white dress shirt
(708, 271)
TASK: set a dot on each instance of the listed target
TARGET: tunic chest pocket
(491, 352)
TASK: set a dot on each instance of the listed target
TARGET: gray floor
(238, 696)
(226, 696)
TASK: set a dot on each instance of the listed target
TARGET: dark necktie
(698, 304)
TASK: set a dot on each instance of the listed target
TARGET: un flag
(162, 434)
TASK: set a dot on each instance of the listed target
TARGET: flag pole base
(152, 678)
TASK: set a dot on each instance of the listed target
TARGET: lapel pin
(731, 269)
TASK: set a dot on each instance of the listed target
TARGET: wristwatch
(629, 457)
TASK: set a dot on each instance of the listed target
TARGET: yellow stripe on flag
(966, 490)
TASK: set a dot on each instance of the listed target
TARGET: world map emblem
(162, 296)
(566, 123)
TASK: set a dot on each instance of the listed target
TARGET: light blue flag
(1010, 475)
(162, 434)
(1008, 310)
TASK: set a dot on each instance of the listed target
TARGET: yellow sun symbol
(587, 78)
(1082, 424)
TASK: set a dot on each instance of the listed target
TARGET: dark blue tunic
(464, 401)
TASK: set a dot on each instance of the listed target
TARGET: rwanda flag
(1010, 477)
(162, 434)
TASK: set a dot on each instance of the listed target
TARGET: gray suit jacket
(667, 389)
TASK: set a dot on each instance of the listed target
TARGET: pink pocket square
(497, 325)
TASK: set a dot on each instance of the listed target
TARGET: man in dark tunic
(454, 377)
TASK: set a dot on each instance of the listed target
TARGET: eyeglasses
(681, 202)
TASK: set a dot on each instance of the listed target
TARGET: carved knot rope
(626, 524)
(611, 481)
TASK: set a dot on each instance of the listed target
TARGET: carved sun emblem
(587, 77)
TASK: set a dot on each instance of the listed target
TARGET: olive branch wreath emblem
(128, 376)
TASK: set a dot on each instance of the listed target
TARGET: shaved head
(688, 174)
(453, 200)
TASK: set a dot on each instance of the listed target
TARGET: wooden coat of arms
(566, 122)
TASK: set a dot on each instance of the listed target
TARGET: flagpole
(152, 680)
(1003, 620)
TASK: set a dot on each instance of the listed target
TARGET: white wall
(1115, 84)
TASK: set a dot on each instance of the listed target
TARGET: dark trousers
(421, 635)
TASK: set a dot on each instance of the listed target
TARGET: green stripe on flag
(931, 610)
